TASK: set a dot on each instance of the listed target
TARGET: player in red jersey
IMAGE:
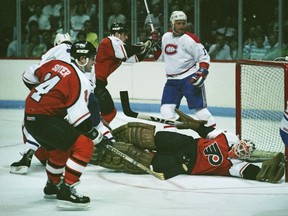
(112, 51)
(215, 152)
(57, 116)
(60, 51)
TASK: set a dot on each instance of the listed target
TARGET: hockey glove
(95, 136)
(146, 46)
(199, 77)
(188, 122)
(272, 170)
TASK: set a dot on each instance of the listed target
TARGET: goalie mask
(242, 150)
(62, 38)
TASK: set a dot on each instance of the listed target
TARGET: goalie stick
(124, 97)
(132, 161)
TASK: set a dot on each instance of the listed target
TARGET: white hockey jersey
(182, 53)
(59, 52)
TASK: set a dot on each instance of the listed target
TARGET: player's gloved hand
(154, 36)
(95, 136)
(105, 141)
(146, 46)
(199, 77)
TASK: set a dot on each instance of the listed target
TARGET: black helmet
(80, 48)
(118, 27)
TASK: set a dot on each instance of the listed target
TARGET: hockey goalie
(216, 152)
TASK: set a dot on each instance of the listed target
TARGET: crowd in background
(42, 19)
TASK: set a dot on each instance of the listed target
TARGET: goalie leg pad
(110, 160)
(137, 133)
(272, 170)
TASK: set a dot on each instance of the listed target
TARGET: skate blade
(52, 196)
(19, 170)
(70, 206)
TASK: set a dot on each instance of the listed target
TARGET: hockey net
(260, 102)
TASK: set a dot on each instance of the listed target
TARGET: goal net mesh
(260, 101)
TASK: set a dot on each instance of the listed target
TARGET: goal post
(261, 95)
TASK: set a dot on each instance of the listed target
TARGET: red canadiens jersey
(212, 157)
(63, 90)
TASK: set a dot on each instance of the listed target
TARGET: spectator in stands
(12, 47)
(273, 52)
(78, 19)
(220, 50)
(141, 14)
(233, 44)
(91, 35)
(190, 27)
(48, 39)
(210, 38)
(36, 48)
(27, 9)
(33, 29)
(81, 36)
(228, 29)
(52, 8)
(40, 17)
(255, 51)
(91, 9)
(117, 16)
(59, 26)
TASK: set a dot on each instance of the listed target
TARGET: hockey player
(112, 51)
(216, 152)
(186, 65)
(284, 135)
(60, 51)
(58, 117)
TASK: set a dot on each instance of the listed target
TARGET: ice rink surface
(119, 194)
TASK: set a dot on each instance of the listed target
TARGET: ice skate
(67, 198)
(22, 166)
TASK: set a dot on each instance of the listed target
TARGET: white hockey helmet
(177, 15)
(60, 38)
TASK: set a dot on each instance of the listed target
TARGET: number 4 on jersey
(44, 88)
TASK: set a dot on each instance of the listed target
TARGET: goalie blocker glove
(199, 77)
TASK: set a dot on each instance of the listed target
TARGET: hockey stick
(128, 112)
(132, 161)
(149, 16)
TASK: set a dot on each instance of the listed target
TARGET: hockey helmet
(177, 15)
(242, 150)
(80, 48)
(118, 27)
(61, 38)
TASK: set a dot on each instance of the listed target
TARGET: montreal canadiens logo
(170, 49)
(214, 154)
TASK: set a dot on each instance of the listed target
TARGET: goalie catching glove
(272, 170)
(188, 122)
(199, 77)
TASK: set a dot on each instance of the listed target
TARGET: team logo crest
(214, 154)
(170, 49)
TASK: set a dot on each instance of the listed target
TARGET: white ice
(119, 194)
